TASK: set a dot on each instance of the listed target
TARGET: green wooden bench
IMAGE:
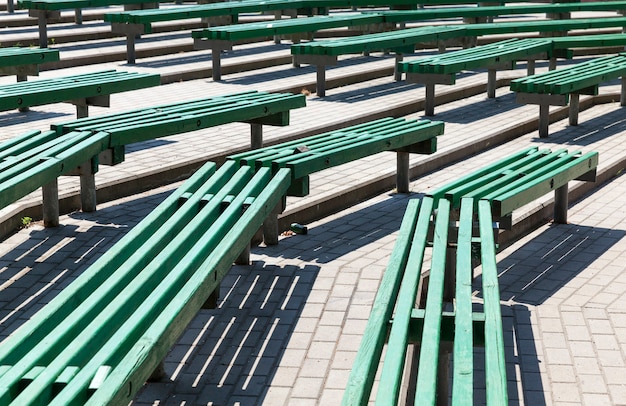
(255, 108)
(312, 154)
(77, 148)
(480, 14)
(223, 38)
(442, 68)
(563, 86)
(457, 222)
(23, 62)
(137, 299)
(322, 53)
(50, 10)
(133, 23)
(84, 90)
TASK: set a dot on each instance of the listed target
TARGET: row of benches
(422, 316)
(79, 146)
(137, 299)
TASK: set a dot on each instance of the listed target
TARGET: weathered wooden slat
(495, 366)
(368, 357)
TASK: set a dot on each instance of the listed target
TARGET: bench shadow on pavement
(589, 131)
(536, 271)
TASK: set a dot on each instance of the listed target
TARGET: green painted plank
(139, 362)
(71, 4)
(598, 40)
(523, 169)
(23, 143)
(573, 78)
(426, 389)
(46, 91)
(305, 164)
(393, 367)
(14, 56)
(368, 356)
(495, 365)
(463, 373)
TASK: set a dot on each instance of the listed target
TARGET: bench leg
(429, 109)
(256, 136)
(397, 75)
(491, 83)
(88, 192)
(530, 67)
(574, 108)
(43, 30)
(216, 63)
(552, 65)
(130, 48)
(270, 226)
(10, 6)
(321, 80)
(82, 110)
(402, 172)
(622, 99)
(560, 204)
(158, 373)
(244, 257)
(51, 204)
(544, 119)
(78, 16)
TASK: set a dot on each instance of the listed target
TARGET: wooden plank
(391, 376)
(463, 350)
(426, 390)
(495, 365)
(368, 356)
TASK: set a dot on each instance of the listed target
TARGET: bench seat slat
(495, 366)
(390, 379)
(463, 349)
(367, 359)
(429, 347)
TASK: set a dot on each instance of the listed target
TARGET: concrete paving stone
(582, 348)
(618, 394)
(307, 388)
(596, 399)
(565, 392)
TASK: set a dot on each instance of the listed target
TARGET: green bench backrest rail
(397, 321)
(137, 299)
(82, 90)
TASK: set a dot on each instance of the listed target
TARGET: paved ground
(288, 327)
